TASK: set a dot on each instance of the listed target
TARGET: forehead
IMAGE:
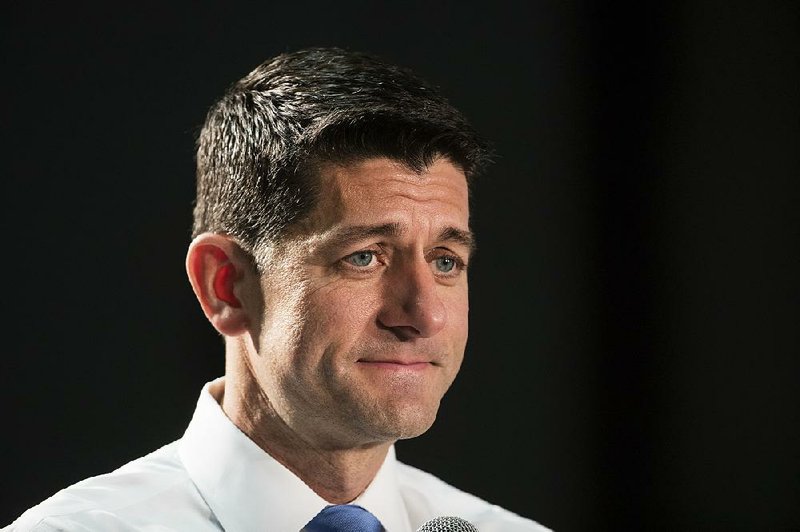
(382, 190)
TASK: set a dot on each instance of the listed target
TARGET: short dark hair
(262, 142)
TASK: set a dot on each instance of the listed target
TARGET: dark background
(633, 358)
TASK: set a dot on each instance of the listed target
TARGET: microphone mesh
(447, 524)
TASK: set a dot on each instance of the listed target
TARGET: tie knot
(344, 518)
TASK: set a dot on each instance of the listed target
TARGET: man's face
(365, 305)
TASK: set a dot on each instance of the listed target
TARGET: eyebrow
(353, 233)
(453, 234)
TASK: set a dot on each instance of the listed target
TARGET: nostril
(402, 333)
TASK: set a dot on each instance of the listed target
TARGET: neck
(337, 474)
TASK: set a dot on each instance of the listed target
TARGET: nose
(412, 306)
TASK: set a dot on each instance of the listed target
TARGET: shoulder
(154, 487)
(431, 497)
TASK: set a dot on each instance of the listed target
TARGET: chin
(413, 433)
(404, 423)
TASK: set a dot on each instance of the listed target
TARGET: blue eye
(361, 258)
(445, 264)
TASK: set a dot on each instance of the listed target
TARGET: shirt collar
(382, 497)
(248, 490)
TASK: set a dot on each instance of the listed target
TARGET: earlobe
(218, 269)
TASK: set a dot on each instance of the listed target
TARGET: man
(331, 246)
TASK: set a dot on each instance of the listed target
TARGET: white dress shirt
(215, 478)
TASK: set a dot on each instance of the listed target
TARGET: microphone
(447, 523)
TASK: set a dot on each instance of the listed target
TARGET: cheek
(284, 310)
(338, 317)
(281, 323)
(457, 303)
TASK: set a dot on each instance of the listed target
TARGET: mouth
(398, 365)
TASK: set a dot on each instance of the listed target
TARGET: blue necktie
(344, 518)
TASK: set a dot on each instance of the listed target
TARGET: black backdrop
(633, 358)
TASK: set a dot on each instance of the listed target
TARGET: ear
(223, 279)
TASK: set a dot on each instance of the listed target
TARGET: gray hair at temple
(262, 143)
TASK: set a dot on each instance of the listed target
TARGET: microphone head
(447, 523)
